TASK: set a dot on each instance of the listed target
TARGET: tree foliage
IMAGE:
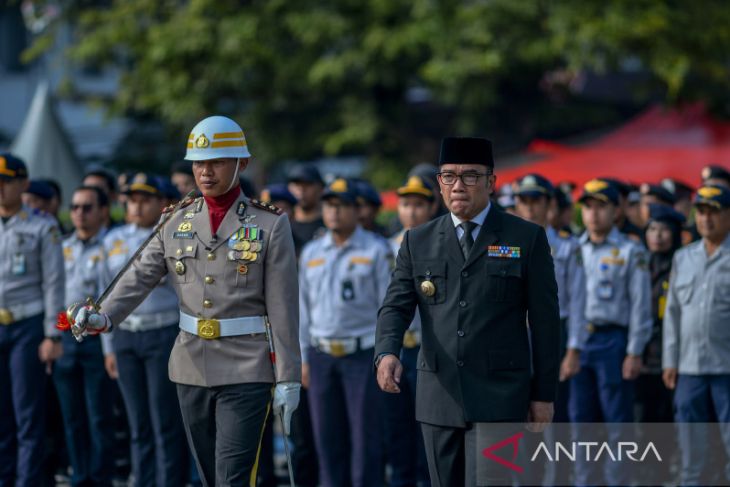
(388, 78)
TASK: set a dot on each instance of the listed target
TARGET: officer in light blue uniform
(141, 347)
(534, 194)
(404, 442)
(83, 386)
(618, 325)
(343, 280)
(696, 348)
(31, 296)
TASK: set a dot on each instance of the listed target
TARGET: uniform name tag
(183, 235)
(503, 252)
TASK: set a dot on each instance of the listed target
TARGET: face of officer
(339, 217)
(659, 237)
(598, 216)
(307, 193)
(36, 202)
(466, 200)
(214, 177)
(366, 214)
(712, 223)
(143, 209)
(11, 192)
(533, 208)
(101, 183)
(646, 200)
(414, 210)
(184, 183)
(87, 214)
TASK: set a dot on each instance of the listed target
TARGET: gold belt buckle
(6, 317)
(591, 328)
(209, 329)
(337, 348)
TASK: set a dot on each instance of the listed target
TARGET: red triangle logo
(512, 440)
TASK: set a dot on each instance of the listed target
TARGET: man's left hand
(286, 400)
(49, 351)
(539, 416)
(632, 367)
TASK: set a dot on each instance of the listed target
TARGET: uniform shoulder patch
(265, 206)
(183, 204)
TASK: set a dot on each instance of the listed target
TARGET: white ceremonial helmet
(216, 137)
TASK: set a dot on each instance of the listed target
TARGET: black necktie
(467, 240)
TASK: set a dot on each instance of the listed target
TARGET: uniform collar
(354, 241)
(74, 238)
(479, 219)
(614, 237)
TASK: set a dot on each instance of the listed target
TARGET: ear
(243, 164)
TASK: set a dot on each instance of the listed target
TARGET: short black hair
(183, 167)
(101, 197)
(107, 176)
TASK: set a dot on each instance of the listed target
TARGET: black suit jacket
(479, 361)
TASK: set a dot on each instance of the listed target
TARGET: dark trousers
(701, 399)
(600, 394)
(403, 439)
(153, 412)
(84, 389)
(304, 454)
(454, 455)
(224, 425)
(22, 402)
(345, 406)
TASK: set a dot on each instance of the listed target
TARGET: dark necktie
(467, 240)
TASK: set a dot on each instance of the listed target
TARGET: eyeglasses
(468, 178)
(85, 208)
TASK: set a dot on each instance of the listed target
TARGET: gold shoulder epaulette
(186, 202)
(265, 206)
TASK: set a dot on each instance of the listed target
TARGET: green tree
(328, 77)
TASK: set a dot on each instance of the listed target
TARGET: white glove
(286, 400)
(90, 322)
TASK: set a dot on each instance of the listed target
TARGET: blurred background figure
(403, 440)
(182, 177)
(715, 176)
(695, 358)
(633, 206)
(560, 215)
(369, 204)
(104, 180)
(623, 224)
(82, 383)
(39, 196)
(306, 184)
(140, 347)
(280, 196)
(653, 194)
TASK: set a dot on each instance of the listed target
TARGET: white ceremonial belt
(20, 311)
(150, 321)
(209, 328)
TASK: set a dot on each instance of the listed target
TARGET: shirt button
(462, 304)
(460, 363)
(460, 333)
(464, 274)
(209, 279)
(178, 252)
(207, 303)
(211, 256)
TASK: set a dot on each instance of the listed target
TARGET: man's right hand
(305, 376)
(92, 322)
(389, 372)
(570, 365)
(110, 364)
(669, 376)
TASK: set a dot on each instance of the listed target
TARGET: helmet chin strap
(235, 175)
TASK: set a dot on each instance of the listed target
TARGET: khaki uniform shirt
(212, 286)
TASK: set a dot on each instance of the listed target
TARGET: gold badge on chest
(179, 268)
(428, 288)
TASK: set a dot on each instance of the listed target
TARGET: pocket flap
(183, 250)
(423, 268)
(426, 361)
(508, 359)
(507, 268)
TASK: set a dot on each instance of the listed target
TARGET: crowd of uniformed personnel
(643, 290)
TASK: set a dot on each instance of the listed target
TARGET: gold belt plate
(6, 317)
(209, 329)
(337, 349)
